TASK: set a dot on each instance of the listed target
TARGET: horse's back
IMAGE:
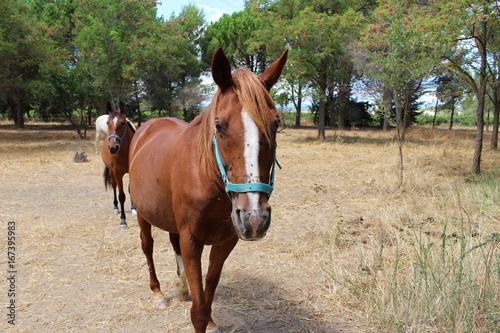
(156, 131)
(101, 124)
(155, 150)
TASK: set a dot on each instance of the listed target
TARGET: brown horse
(208, 182)
(114, 153)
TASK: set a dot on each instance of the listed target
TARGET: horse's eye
(123, 123)
(218, 127)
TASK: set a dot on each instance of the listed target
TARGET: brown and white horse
(208, 182)
(115, 155)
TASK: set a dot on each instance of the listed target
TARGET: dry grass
(347, 250)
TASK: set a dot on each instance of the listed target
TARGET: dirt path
(77, 273)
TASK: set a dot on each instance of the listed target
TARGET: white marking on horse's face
(115, 121)
(251, 154)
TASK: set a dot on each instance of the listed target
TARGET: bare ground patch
(78, 273)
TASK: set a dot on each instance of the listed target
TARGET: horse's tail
(107, 178)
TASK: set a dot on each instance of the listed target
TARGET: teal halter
(243, 188)
(120, 138)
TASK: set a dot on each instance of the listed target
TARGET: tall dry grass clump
(430, 262)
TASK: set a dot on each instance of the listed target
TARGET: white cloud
(213, 14)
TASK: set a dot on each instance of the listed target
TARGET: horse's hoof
(181, 295)
(214, 330)
(134, 213)
(160, 303)
(123, 226)
(116, 211)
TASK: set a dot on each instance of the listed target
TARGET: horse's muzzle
(251, 224)
(113, 149)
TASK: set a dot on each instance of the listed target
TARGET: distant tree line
(65, 58)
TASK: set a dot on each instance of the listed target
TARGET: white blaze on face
(115, 121)
(251, 154)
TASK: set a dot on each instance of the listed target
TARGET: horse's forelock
(256, 100)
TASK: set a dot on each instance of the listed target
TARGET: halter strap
(247, 187)
(120, 138)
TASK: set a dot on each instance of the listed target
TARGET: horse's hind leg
(181, 288)
(147, 247)
(132, 207)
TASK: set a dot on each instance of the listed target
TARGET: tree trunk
(452, 113)
(435, 114)
(321, 119)
(343, 97)
(481, 94)
(400, 129)
(496, 112)
(139, 114)
(103, 108)
(298, 114)
(494, 131)
(488, 120)
(330, 106)
(407, 109)
(387, 106)
(19, 118)
(297, 102)
(89, 115)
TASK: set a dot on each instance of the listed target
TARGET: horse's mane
(131, 125)
(256, 101)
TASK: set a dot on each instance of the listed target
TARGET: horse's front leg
(191, 256)
(121, 196)
(115, 198)
(218, 255)
(96, 140)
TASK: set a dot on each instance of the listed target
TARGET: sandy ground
(75, 272)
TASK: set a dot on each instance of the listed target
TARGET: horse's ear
(108, 107)
(122, 107)
(273, 73)
(221, 69)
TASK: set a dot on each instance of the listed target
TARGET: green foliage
(468, 120)
(234, 33)
(356, 113)
(118, 40)
(84, 52)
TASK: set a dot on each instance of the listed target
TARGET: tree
(474, 24)
(317, 34)
(395, 50)
(23, 50)
(118, 40)
(283, 13)
(449, 90)
(65, 88)
(166, 80)
(233, 34)
(493, 68)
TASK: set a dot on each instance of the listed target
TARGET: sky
(213, 9)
